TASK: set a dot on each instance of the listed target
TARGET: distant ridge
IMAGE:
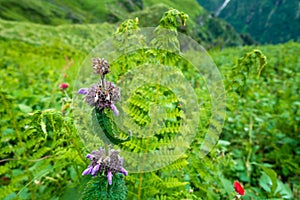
(267, 21)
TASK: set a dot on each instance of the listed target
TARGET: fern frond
(178, 164)
(6, 190)
(173, 182)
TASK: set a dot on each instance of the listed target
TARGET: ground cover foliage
(42, 156)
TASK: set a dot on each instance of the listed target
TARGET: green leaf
(24, 108)
(284, 190)
(273, 176)
(265, 182)
(227, 185)
(70, 193)
(98, 188)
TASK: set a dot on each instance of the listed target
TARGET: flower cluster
(100, 66)
(101, 163)
(102, 97)
(105, 93)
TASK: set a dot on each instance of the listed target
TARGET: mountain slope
(267, 21)
(201, 25)
(57, 12)
(74, 36)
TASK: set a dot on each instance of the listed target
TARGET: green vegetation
(42, 156)
(203, 27)
(267, 21)
(65, 12)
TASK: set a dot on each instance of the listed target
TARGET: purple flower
(87, 171)
(109, 177)
(114, 109)
(89, 156)
(123, 171)
(83, 91)
(95, 169)
(102, 95)
(104, 164)
(113, 90)
(91, 95)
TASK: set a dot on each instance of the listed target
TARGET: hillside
(75, 36)
(267, 21)
(202, 26)
(61, 12)
(43, 153)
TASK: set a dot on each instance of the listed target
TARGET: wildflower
(100, 66)
(83, 91)
(101, 163)
(97, 96)
(90, 95)
(239, 188)
(104, 94)
(63, 86)
(101, 96)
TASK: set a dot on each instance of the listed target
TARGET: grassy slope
(204, 28)
(54, 12)
(58, 12)
(40, 55)
(83, 37)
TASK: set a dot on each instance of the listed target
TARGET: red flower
(239, 188)
(63, 86)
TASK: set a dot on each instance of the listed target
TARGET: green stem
(68, 98)
(103, 83)
(250, 147)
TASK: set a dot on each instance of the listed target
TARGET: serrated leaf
(98, 188)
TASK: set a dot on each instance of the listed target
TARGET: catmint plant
(104, 94)
(106, 166)
(102, 98)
